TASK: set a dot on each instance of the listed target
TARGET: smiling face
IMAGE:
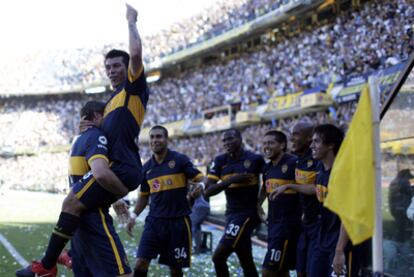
(116, 71)
(158, 141)
(319, 149)
(272, 148)
(301, 138)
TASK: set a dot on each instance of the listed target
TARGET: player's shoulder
(253, 156)
(221, 158)
(290, 158)
(95, 133)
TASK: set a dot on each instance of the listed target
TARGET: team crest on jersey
(284, 168)
(156, 185)
(310, 163)
(169, 182)
(171, 164)
(247, 163)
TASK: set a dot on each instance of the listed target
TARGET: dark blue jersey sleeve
(214, 171)
(96, 146)
(189, 169)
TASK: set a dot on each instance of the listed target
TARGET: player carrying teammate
(124, 114)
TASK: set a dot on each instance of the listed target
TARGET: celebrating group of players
(105, 165)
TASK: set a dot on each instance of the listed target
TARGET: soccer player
(167, 230)
(124, 113)
(284, 211)
(239, 172)
(96, 232)
(305, 177)
(326, 141)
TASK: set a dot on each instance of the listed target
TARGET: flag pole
(377, 247)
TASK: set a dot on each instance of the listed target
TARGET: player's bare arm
(135, 46)
(213, 187)
(106, 178)
(305, 189)
(142, 202)
(338, 263)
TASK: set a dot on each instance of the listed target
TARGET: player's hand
(85, 125)
(131, 14)
(277, 192)
(197, 191)
(130, 225)
(121, 210)
(243, 178)
(338, 263)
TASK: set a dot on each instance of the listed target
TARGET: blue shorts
(92, 195)
(281, 247)
(238, 231)
(96, 249)
(170, 238)
(306, 244)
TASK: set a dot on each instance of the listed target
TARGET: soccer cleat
(36, 270)
(65, 259)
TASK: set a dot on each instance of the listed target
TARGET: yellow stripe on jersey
(133, 77)
(198, 178)
(321, 193)
(272, 183)
(112, 242)
(253, 181)
(213, 177)
(78, 166)
(79, 194)
(167, 182)
(136, 108)
(304, 177)
(116, 102)
(99, 156)
(142, 193)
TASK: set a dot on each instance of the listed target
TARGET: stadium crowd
(281, 65)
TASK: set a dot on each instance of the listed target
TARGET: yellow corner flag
(352, 181)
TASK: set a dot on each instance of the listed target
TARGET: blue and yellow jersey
(329, 222)
(166, 183)
(305, 174)
(123, 117)
(286, 207)
(86, 147)
(240, 197)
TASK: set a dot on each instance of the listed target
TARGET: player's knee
(141, 265)
(72, 205)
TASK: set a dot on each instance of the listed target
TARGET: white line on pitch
(16, 255)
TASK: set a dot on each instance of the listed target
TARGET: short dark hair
(118, 53)
(159, 127)
(236, 132)
(92, 107)
(330, 134)
(279, 136)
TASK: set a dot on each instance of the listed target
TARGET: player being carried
(123, 117)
